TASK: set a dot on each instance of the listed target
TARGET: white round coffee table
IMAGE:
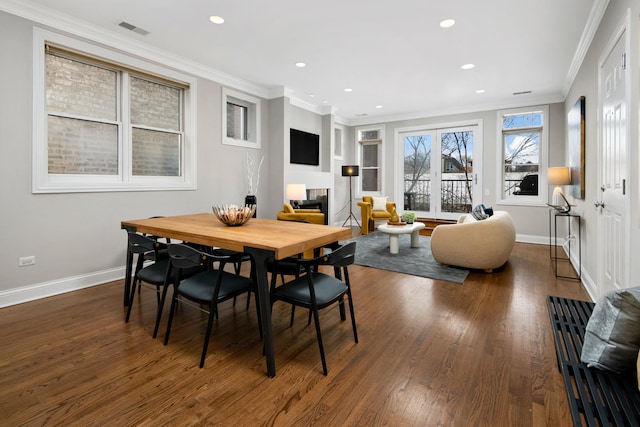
(394, 232)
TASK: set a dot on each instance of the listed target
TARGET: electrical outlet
(26, 260)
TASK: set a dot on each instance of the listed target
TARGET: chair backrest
(341, 257)
(139, 244)
(184, 256)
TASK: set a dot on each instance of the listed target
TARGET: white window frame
(359, 153)
(543, 162)
(253, 118)
(43, 182)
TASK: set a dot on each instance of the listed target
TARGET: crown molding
(593, 22)
(520, 101)
(82, 29)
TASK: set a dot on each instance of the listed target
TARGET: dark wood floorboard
(431, 353)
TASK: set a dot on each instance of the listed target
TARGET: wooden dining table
(263, 239)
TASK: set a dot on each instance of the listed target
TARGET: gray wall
(586, 84)
(531, 221)
(76, 238)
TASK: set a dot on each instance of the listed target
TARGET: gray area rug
(372, 250)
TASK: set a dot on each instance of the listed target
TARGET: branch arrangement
(251, 190)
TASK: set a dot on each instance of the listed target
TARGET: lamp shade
(296, 192)
(350, 170)
(559, 176)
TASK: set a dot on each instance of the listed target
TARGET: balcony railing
(454, 196)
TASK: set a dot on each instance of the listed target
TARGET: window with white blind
(105, 121)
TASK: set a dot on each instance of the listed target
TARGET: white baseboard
(60, 286)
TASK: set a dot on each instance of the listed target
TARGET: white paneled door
(612, 199)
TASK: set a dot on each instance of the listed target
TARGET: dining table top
(283, 238)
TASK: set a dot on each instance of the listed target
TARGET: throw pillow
(379, 204)
(479, 213)
(288, 208)
(466, 219)
(612, 336)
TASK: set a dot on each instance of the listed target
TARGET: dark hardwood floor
(431, 353)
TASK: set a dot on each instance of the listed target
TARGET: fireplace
(317, 198)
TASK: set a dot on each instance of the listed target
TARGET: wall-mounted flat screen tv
(304, 148)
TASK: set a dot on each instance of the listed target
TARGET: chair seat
(380, 215)
(201, 286)
(156, 272)
(327, 289)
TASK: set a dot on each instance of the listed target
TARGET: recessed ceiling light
(216, 19)
(447, 23)
(348, 89)
(378, 106)
(300, 64)
(324, 101)
(467, 66)
(480, 91)
(312, 95)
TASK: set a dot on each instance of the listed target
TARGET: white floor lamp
(351, 171)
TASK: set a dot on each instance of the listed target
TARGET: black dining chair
(154, 253)
(208, 288)
(149, 250)
(316, 290)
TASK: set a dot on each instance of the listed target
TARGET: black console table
(554, 216)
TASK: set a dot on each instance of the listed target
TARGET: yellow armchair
(369, 215)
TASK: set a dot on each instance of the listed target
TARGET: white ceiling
(392, 54)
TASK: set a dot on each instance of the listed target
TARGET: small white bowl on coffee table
(394, 232)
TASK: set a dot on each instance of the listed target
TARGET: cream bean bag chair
(478, 244)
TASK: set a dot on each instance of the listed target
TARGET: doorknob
(599, 204)
(603, 188)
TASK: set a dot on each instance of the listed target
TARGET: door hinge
(624, 61)
(624, 187)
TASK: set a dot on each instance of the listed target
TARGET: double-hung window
(370, 157)
(106, 122)
(523, 135)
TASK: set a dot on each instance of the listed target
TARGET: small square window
(241, 119)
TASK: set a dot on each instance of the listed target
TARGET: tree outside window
(521, 145)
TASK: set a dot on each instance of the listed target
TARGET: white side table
(394, 232)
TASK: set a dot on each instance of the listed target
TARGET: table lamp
(558, 176)
(296, 193)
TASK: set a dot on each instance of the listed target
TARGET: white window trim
(254, 119)
(42, 182)
(381, 166)
(542, 168)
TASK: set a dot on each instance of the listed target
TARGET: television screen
(304, 148)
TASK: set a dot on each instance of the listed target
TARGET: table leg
(127, 277)
(415, 239)
(394, 243)
(260, 258)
